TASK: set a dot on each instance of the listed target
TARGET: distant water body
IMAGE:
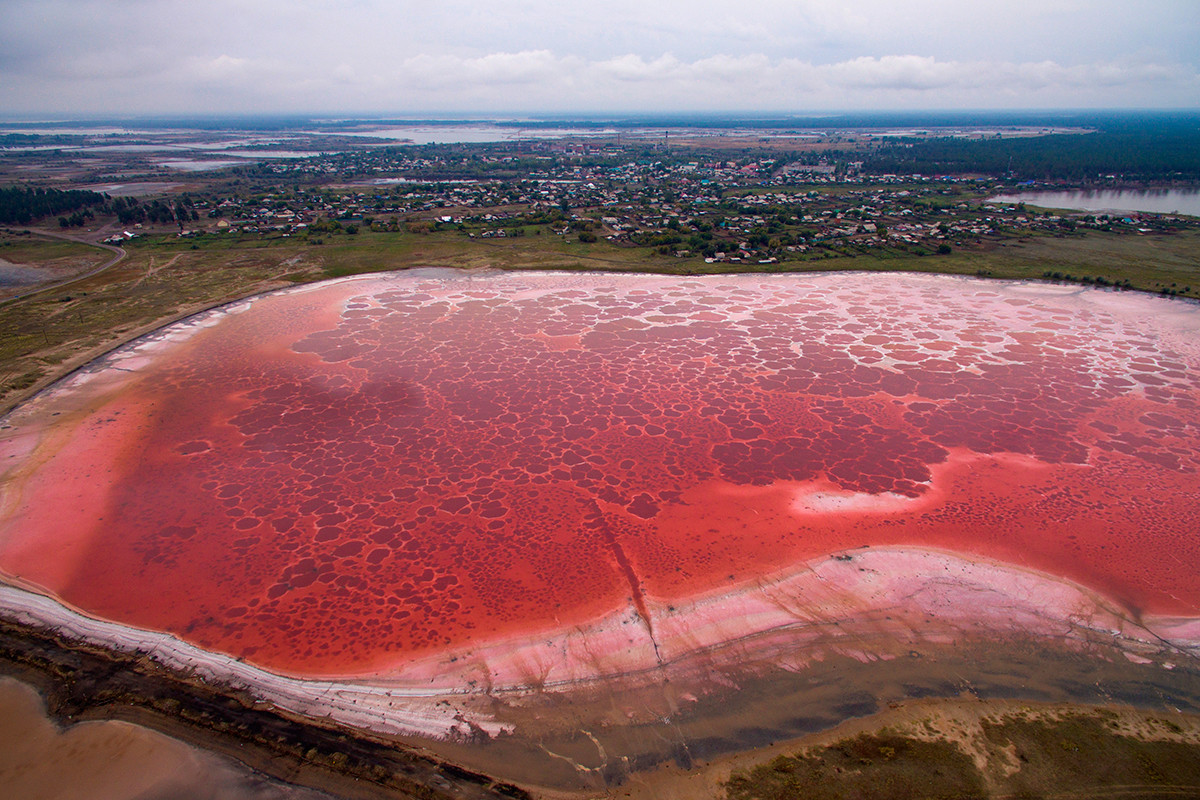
(1158, 201)
(470, 134)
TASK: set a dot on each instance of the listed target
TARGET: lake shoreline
(994, 637)
(84, 683)
(1148, 199)
(829, 633)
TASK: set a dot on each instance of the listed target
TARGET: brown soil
(83, 683)
(113, 760)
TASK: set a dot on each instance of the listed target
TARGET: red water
(450, 460)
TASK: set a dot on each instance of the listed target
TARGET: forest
(21, 205)
(1158, 148)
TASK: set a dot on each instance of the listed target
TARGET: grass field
(20, 249)
(1027, 754)
(26, 257)
(44, 336)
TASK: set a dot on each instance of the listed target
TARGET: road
(116, 259)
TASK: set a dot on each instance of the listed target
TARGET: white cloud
(394, 55)
(344, 74)
(635, 68)
(222, 68)
(540, 80)
(739, 82)
(507, 68)
(894, 72)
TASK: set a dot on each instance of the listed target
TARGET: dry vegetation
(1026, 753)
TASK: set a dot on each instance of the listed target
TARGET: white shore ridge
(869, 604)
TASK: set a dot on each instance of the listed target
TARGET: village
(747, 210)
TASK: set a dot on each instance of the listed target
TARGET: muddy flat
(112, 760)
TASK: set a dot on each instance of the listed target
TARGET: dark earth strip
(82, 682)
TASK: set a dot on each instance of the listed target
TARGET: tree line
(130, 210)
(22, 205)
(1161, 153)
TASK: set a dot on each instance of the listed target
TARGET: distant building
(811, 169)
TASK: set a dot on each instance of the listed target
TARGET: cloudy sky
(76, 57)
